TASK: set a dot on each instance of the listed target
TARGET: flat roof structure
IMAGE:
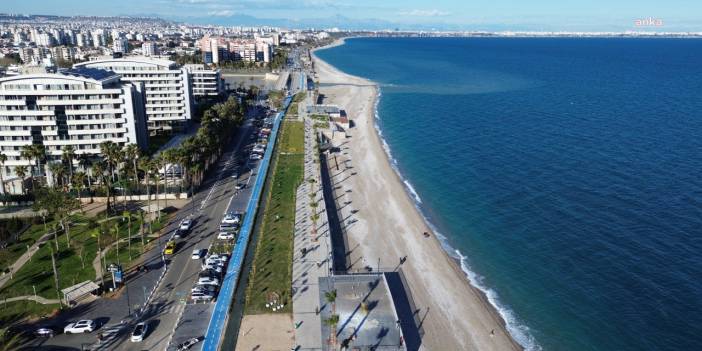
(367, 313)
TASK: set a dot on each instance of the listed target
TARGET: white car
(225, 236)
(216, 268)
(202, 296)
(139, 332)
(255, 157)
(186, 224)
(215, 260)
(208, 281)
(232, 218)
(208, 289)
(197, 254)
(81, 326)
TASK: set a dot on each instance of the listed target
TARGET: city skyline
(499, 15)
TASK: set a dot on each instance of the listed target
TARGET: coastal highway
(216, 195)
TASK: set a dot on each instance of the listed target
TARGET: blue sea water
(567, 172)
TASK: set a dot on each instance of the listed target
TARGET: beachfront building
(206, 82)
(78, 107)
(168, 88)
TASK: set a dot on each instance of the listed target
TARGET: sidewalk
(308, 268)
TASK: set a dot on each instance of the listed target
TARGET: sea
(564, 173)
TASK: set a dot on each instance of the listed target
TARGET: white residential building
(149, 49)
(168, 88)
(120, 45)
(205, 81)
(78, 107)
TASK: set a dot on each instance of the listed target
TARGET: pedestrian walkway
(37, 298)
(312, 251)
(23, 259)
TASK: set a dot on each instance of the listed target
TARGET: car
(204, 288)
(139, 332)
(186, 224)
(232, 218)
(197, 254)
(170, 247)
(200, 296)
(208, 281)
(178, 234)
(213, 267)
(45, 332)
(240, 186)
(228, 227)
(216, 259)
(226, 236)
(81, 326)
(255, 157)
(188, 344)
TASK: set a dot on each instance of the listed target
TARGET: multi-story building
(120, 45)
(206, 82)
(149, 48)
(168, 88)
(78, 107)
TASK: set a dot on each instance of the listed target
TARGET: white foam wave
(518, 330)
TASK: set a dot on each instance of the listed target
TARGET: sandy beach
(387, 226)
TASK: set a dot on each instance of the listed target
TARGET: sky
(588, 15)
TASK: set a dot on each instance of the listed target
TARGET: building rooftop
(367, 314)
(91, 73)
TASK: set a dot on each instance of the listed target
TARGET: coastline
(455, 314)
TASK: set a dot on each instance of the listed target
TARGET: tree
(68, 155)
(79, 182)
(132, 153)
(57, 173)
(36, 152)
(21, 172)
(56, 204)
(3, 159)
(128, 216)
(332, 322)
(98, 170)
(85, 162)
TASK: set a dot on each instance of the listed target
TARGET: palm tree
(3, 159)
(21, 172)
(85, 162)
(332, 322)
(57, 173)
(131, 153)
(79, 182)
(98, 170)
(146, 166)
(36, 152)
(68, 155)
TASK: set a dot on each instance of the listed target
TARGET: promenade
(311, 254)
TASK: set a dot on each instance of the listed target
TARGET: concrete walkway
(24, 259)
(37, 298)
(315, 263)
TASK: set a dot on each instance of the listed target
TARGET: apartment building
(78, 107)
(168, 88)
(206, 82)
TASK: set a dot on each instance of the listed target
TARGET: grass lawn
(74, 264)
(12, 312)
(272, 266)
(12, 252)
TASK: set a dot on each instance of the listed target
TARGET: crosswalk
(109, 334)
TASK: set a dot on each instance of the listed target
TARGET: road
(171, 297)
(169, 300)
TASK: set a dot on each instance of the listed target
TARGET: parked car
(216, 259)
(255, 157)
(198, 254)
(208, 281)
(139, 332)
(232, 218)
(228, 227)
(186, 224)
(202, 296)
(204, 288)
(81, 326)
(226, 236)
(216, 268)
(240, 186)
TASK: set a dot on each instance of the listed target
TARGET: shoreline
(447, 269)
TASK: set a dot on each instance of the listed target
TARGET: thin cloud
(425, 13)
(221, 13)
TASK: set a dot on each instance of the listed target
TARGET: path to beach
(387, 227)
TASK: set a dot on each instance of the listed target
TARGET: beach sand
(454, 315)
